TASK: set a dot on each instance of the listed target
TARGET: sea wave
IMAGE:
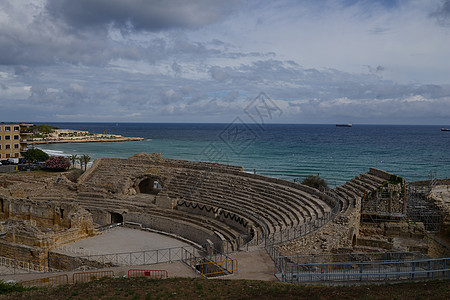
(54, 152)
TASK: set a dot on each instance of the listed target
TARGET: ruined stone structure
(29, 229)
(204, 202)
(214, 205)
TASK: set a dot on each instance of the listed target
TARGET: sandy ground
(119, 240)
(255, 265)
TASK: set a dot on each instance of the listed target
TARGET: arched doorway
(148, 185)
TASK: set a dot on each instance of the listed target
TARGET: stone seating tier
(236, 192)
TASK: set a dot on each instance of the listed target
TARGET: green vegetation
(84, 160)
(40, 131)
(9, 287)
(396, 179)
(43, 128)
(73, 158)
(34, 155)
(315, 182)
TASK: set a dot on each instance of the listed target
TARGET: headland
(58, 136)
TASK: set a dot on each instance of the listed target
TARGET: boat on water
(445, 129)
(344, 125)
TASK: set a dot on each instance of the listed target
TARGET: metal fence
(154, 274)
(148, 257)
(366, 271)
(282, 261)
(46, 281)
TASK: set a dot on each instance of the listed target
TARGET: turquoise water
(282, 150)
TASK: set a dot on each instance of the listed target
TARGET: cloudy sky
(320, 61)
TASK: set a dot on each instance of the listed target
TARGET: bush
(35, 155)
(315, 182)
(9, 287)
(57, 163)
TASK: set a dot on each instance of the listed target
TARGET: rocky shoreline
(89, 140)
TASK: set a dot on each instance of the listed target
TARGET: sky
(316, 61)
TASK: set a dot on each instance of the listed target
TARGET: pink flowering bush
(57, 163)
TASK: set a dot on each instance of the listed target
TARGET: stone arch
(148, 185)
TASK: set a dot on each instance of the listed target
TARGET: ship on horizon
(344, 125)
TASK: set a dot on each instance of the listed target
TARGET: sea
(287, 151)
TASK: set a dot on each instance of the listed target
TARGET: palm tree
(86, 158)
(80, 160)
(73, 158)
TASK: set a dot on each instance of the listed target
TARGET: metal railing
(366, 271)
(147, 257)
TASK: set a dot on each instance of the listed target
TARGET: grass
(179, 288)
(10, 287)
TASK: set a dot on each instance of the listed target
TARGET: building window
(8, 155)
(7, 128)
(7, 146)
(0, 147)
(7, 137)
(16, 155)
(16, 137)
(0, 137)
(16, 146)
(16, 128)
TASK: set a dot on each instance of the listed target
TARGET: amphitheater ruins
(215, 207)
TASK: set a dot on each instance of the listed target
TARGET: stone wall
(31, 227)
(197, 234)
(64, 262)
(380, 173)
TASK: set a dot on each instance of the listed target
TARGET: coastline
(94, 140)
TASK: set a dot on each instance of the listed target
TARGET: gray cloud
(442, 14)
(151, 15)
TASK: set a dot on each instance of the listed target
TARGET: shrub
(57, 163)
(35, 155)
(315, 182)
(9, 287)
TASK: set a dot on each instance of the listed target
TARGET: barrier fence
(46, 281)
(148, 257)
(155, 274)
(366, 271)
(82, 277)
(91, 276)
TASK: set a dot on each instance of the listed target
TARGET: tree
(43, 128)
(85, 158)
(73, 158)
(35, 155)
(80, 160)
(57, 163)
(315, 182)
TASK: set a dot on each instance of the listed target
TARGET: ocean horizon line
(246, 123)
